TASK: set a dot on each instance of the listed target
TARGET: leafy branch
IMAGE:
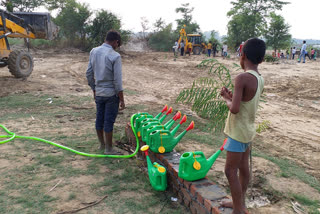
(204, 94)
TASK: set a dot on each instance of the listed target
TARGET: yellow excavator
(23, 25)
(192, 41)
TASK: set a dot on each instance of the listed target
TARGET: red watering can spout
(191, 126)
(177, 116)
(184, 119)
(165, 108)
(224, 143)
(169, 111)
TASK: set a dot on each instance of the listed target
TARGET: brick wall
(200, 197)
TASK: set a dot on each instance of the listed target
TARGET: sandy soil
(154, 79)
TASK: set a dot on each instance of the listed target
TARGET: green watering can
(194, 165)
(161, 141)
(144, 115)
(157, 173)
(153, 125)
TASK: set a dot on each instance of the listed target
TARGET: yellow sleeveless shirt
(240, 126)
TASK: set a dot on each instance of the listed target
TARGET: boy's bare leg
(244, 176)
(231, 171)
(101, 140)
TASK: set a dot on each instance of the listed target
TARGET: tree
(191, 27)
(102, 23)
(159, 25)
(72, 20)
(249, 18)
(22, 5)
(145, 26)
(162, 40)
(277, 35)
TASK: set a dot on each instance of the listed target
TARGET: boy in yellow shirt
(240, 128)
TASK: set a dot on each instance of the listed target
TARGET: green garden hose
(12, 136)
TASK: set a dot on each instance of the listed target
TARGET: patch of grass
(290, 169)
(313, 205)
(130, 92)
(72, 196)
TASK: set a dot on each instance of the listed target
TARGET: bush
(270, 58)
(162, 40)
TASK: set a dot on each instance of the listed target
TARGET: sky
(301, 15)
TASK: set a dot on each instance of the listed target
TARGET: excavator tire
(196, 50)
(20, 63)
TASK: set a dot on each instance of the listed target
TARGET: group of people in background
(293, 50)
(212, 48)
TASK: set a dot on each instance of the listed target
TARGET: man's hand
(122, 105)
(226, 93)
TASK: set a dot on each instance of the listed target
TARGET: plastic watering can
(144, 115)
(161, 141)
(194, 165)
(156, 125)
(157, 173)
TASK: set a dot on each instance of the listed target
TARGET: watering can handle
(199, 153)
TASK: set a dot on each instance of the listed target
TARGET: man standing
(104, 75)
(303, 52)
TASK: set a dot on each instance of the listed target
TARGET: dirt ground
(154, 79)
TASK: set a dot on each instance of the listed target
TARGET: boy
(240, 128)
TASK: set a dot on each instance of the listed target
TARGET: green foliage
(72, 20)
(270, 58)
(248, 19)
(162, 40)
(204, 95)
(263, 126)
(277, 34)
(102, 23)
(191, 27)
(22, 5)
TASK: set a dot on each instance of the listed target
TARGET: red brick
(170, 167)
(193, 209)
(187, 184)
(186, 197)
(176, 183)
(215, 210)
(200, 198)
(199, 207)
(175, 172)
(208, 205)
(193, 190)
(180, 197)
(180, 179)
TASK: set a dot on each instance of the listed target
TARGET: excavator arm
(11, 29)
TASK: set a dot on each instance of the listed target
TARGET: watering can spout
(170, 123)
(214, 157)
(164, 116)
(180, 136)
(183, 120)
(165, 108)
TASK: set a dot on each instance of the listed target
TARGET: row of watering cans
(159, 139)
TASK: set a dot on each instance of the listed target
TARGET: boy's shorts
(107, 111)
(235, 146)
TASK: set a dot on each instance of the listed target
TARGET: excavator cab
(23, 25)
(196, 41)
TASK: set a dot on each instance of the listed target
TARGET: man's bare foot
(229, 204)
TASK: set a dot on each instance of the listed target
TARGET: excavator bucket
(40, 23)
